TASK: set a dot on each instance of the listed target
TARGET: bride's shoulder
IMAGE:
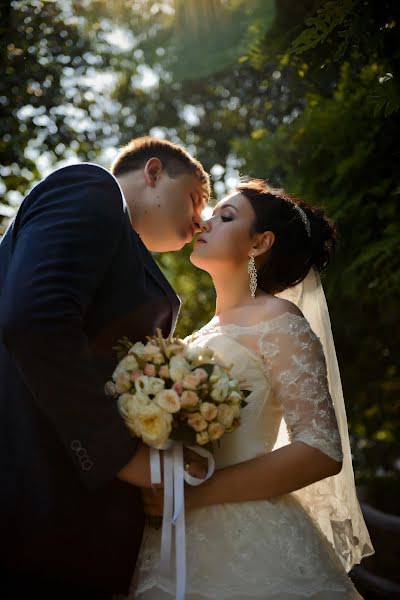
(270, 308)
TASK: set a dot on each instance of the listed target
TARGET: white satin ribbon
(174, 504)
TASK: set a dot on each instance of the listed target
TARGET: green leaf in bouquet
(122, 348)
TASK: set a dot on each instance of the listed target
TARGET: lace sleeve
(296, 365)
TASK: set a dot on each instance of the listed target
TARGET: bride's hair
(297, 247)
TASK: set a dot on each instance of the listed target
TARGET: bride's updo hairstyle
(298, 246)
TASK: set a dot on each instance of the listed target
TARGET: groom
(76, 275)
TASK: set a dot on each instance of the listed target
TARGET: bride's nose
(206, 225)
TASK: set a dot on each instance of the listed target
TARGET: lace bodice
(286, 373)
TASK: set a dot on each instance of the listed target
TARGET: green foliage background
(306, 94)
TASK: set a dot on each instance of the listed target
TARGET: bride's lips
(201, 240)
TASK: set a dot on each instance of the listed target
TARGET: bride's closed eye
(226, 218)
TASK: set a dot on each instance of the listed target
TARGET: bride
(279, 519)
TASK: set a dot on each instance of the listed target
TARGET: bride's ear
(263, 242)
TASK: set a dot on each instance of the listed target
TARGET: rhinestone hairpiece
(304, 218)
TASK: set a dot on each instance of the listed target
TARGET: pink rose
(164, 372)
(149, 370)
(135, 375)
(178, 387)
(201, 374)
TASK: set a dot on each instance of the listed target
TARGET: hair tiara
(304, 218)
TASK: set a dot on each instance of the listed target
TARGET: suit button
(76, 445)
(86, 464)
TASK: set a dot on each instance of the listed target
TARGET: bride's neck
(232, 291)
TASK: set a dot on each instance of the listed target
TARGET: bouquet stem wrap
(174, 504)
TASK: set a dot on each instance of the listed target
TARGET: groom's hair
(175, 160)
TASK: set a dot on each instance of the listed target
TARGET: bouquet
(172, 395)
(167, 390)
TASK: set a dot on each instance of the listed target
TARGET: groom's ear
(153, 170)
(263, 242)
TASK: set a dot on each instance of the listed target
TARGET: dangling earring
(252, 271)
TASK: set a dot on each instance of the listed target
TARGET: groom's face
(176, 203)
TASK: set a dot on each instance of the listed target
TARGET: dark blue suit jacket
(74, 279)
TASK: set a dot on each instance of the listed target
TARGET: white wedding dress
(279, 549)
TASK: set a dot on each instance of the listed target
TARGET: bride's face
(226, 240)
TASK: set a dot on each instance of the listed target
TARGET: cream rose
(226, 414)
(235, 398)
(164, 372)
(168, 400)
(191, 381)
(178, 368)
(189, 399)
(202, 438)
(197, 422)
(208, 411)
(215, 431)
(216, 374)
(153, 425)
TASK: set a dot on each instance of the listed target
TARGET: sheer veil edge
(332, 502)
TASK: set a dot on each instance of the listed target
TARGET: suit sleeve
(65, 240)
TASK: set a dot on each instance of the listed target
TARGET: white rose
(149, 385)
(110, 389)
(168, 400)
(199, 355)
(197, 422)
(208, 410)
(122, 381)
(226, 414)
(178, 368)
(220, 389)
(215, 431)
(130, 406)
(129, 363)
(137, 349)
(202, 438)
(153, 424)
(155, 385)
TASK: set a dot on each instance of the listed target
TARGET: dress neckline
(260, 326)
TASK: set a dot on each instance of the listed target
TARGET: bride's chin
(198, 261)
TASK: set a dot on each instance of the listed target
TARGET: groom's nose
(199, 224)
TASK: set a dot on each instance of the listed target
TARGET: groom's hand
(137, 470)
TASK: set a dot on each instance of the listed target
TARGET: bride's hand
(153, 497)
